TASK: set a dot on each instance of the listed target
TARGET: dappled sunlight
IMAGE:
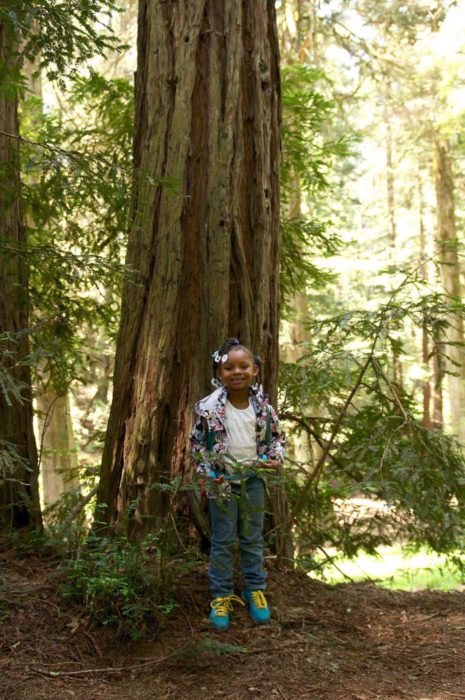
(393, 567)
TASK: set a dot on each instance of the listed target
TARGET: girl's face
(239, 371)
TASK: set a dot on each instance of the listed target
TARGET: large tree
(19, 492)
(450, 273)
(208, 115)
(59, 37)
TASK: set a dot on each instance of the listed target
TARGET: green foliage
(419, 473)
(380, 449)
(309, 152)
(309, 156)
(405, 19)
(10, 386)
(384, 476)
(301, 242)
(340, 343)
(373, 42)
(77, 183)
(118, 583)
(81, 172)
(10, 460)
(11, 391)
(122, 580)
(61, 35)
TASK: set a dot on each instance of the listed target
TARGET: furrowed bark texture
(207, 114)
(450, 273)
(19, 493)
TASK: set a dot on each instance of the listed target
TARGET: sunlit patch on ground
(395, 568)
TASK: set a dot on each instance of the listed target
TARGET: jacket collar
(215, 403)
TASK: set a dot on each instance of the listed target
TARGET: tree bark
(208, 115)
(438, 375)
(390, 175)
(58, 461)
(426, 384)
(392, 222)
(450, 273)
(19, 492)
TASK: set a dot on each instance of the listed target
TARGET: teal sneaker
(220, 609)
(258, 607)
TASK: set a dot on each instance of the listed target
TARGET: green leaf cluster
(76, 193)
(117, 582)
(57, 36)
(386, 477)
(310, 152)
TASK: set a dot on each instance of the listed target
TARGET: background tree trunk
(19, 492)
(58, 462)
(207, 114)
(425, 344)
(392, 219)
(450, 273)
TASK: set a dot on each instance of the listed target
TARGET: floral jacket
(209, 433)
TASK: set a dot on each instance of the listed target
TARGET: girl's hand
(273, 463)
(203, 487)
(216, 479)
(269, 463)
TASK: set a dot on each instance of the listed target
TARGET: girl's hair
(231, 344)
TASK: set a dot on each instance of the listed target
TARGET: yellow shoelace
(223, 605)
(259, 600)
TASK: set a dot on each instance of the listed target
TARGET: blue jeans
(241, 514)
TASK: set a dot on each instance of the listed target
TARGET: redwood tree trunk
(426, 421)
(398, 374)
(208, 115)
(450, 273)
(19, 493)
(59, 465)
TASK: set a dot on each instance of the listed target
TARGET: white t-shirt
(240, 427)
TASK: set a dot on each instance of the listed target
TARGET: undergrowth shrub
(373, 474)
(119, 583)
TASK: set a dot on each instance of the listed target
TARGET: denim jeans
(242, 514)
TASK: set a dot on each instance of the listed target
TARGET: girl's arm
(275, 451)
(199, 450)
(199, 454)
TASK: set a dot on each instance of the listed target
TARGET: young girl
(236, 433)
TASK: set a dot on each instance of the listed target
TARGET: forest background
(371, 379)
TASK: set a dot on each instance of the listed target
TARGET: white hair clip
(224, 358)
(216, 357)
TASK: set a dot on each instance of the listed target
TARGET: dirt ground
(351, 642)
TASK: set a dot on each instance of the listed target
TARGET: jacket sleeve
(278, 438)
(199, 450)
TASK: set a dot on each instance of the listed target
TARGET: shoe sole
(259, 622)
(219, 629)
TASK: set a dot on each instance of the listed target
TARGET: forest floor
(351, 641)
